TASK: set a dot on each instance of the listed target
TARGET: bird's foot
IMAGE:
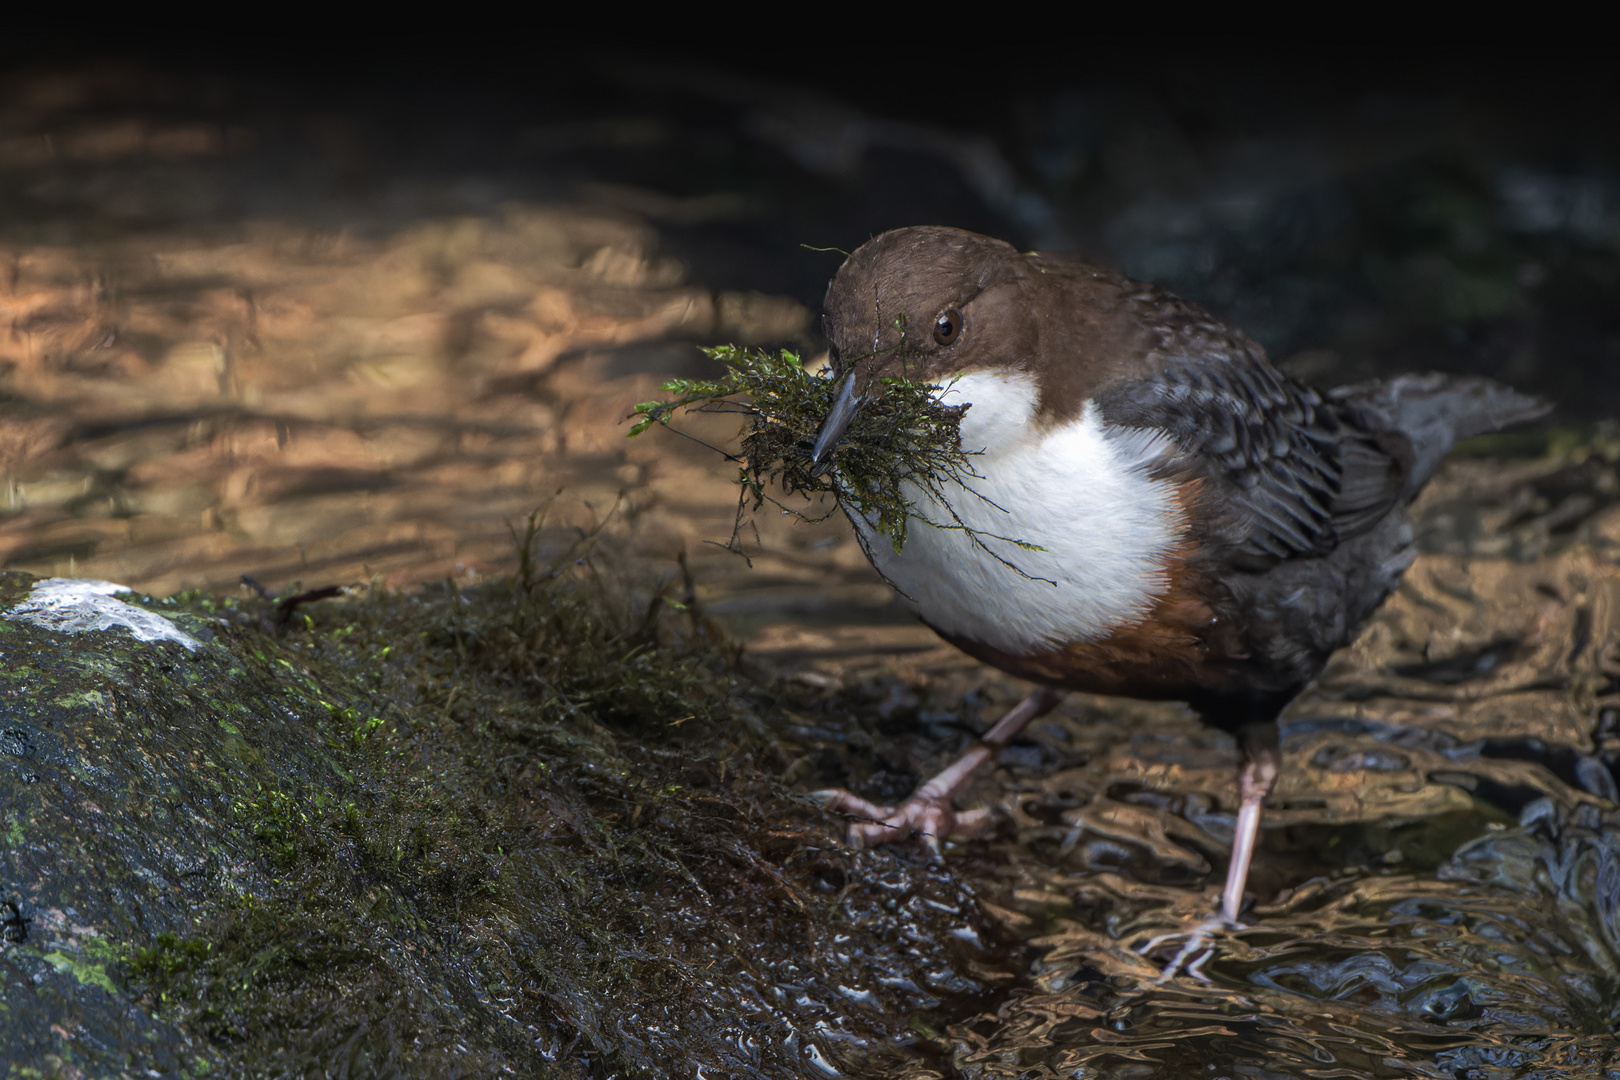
(1198, 947)
(925, 814)
(928, 813)
(1254, 784)
(1196, 951)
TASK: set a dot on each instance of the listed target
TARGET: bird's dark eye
(948, 327)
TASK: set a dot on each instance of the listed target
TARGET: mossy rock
(125, 771)
(529, 829)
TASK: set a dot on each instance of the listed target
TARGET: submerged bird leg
(928, 811)
(1256, 778)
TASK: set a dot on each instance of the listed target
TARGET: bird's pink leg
(1255, 782)
(928, 812)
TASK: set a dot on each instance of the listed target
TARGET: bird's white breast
(1077, 489)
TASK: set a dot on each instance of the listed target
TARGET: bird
(1155, 510)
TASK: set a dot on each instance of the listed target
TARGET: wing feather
(1286, 473)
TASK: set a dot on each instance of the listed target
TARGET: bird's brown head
(925, 303)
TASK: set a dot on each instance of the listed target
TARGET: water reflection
(1501, 964)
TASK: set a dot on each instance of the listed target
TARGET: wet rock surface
(306, 854)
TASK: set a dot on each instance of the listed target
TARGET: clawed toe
(839, 801)
(1198, 950)
(932, 820)
(928, 812)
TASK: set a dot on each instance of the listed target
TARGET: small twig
(286, 605)
(531, 536)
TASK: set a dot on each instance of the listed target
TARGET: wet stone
(371, 840)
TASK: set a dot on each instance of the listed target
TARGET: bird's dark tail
(1434, 412)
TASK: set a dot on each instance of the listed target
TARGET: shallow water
(1500, 963)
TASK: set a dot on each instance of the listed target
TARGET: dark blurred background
(1360, 214)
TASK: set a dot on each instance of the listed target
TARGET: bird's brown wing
(1286, 473)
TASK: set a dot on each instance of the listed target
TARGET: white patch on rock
(75, 605)
(1081, 490)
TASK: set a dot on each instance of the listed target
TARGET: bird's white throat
(1079, 490)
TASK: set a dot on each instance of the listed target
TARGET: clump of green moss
(903, 439)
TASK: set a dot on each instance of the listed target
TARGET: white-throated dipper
(1209, 530)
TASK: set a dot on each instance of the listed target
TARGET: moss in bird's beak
(899, 433)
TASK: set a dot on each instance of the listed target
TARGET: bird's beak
(845, 406)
